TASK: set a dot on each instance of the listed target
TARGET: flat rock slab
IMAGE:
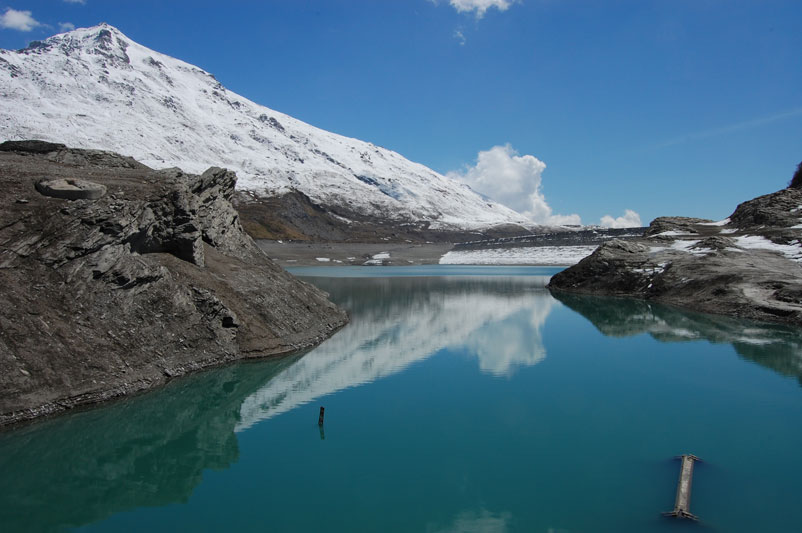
(71, 189)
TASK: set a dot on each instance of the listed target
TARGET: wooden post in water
(682, 505)
(320, 420)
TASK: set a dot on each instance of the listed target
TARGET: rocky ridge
(154, 279)
(747, 265)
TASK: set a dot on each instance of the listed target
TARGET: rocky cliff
(117, 277)
(747, 265)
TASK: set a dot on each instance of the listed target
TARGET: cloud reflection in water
(397, 322)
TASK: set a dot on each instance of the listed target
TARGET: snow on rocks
(377, 259)
(757, 242)
(535, 255)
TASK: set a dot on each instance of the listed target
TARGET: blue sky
(662, 107)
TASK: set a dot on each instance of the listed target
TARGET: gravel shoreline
(321, 254)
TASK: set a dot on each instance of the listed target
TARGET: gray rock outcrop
(153, 280)
(746, 266)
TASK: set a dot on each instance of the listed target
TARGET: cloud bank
(18, 20)
(514, 181)
(630, 220)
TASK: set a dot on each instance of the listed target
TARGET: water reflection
(476, 522)
(146, 451)
(396, 322)
(771, 345)
(151, 450)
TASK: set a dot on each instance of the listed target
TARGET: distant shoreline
(289, 254)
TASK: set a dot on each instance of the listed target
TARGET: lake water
(458, 399)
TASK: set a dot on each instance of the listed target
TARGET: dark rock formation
(796, 180)
(561, 237)
(294, 216)
(106, 297)
(32, 146)
(666, 224)
(747, 266)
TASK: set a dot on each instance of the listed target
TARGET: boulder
(747, 266)
(71, 189)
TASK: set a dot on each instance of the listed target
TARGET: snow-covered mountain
(96, 88)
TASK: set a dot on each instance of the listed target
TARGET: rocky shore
(117, 278)
(747, 265)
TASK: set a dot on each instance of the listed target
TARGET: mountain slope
(97, 88)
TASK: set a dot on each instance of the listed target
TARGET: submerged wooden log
(682, 505)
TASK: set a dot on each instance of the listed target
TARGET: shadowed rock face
(155, 279)
(746, 266)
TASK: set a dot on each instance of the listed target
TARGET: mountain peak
(103, 40)
(96, 88)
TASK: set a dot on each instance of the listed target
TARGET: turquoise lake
(458, 399)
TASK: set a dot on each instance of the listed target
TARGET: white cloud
(18, 20)
(480, 6)
(514, 181)
(75, 1)
(66, 26)
(458, 35)
(630, 220)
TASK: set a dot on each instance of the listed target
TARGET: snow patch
(673, 233)
(652, 271)
(756, 242)
(535, 255)
(377, 259)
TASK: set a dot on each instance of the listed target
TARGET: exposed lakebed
(457, 399)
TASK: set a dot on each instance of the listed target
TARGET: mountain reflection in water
(396, 322)
(773, 346)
